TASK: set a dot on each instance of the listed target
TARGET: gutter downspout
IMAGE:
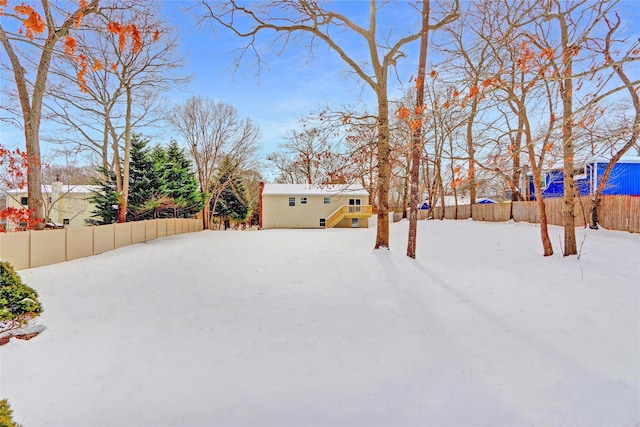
(260, 206)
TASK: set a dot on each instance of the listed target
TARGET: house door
(354, 222)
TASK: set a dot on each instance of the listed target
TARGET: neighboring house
(64, 205)
(314, 206)
(624, 179)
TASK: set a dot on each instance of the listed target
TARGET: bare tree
(631, 55)
(310, 157)
(41, 33)
(416, 139)
(213, 131)
(292, 20)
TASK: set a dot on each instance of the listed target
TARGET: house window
(66, 221)
(303, 200)
(323, 222)
(292, 201)
(354, 205)
(327, 200)
(24, 201)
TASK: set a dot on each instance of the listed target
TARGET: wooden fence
(27, 249)
(615, 213)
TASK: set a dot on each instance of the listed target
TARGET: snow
(313, 327)
(314, 190)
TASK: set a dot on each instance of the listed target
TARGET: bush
(18, 302)
(5, 415)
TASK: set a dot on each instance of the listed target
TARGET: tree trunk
(32, 107)
(124, 196)
(472, 151)
(384, 169)
(416, 140)
(544, 229)
(566, 92)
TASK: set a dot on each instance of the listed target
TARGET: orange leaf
(346, 119)
(403, 113)
(33, 23)
(136, 38)
(97, 65)
(69, 46)
(3, 3)
(114, 67)
(548, 147)
(82, 60)
(434, 74)
(156, 36)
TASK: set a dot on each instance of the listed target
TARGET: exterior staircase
(348, 211)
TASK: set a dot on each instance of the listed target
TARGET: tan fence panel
(423, 214)
(620, 213)
(79, 242)
(122, 234)
(48, 247)
(180, 226)
(14, 248)
(162, 227)
(526, 211)
(199, 225)
(457, 212)
(103, 238)
(138, 234)
(491, 212)
(151, 229)
(171, 227)
(634, 214)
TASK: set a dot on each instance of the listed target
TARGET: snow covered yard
(312, 327)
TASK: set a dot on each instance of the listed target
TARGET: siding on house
(278, 213)
(67, 205)
(624, 180)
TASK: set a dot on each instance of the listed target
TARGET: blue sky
(290, 86)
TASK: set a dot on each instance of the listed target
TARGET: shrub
(5, 415)
(18, 302)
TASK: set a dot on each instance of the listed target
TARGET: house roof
(66, 189)
(314, 190)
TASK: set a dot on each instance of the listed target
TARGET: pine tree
(144, 183)
(105, 199)
(177, 180)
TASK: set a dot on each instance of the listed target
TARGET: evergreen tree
(105, 199)
(177, 180)
(144, 183)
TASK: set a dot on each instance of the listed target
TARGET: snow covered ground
(313, 327)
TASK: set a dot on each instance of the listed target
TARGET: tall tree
(214, 131)
(143, 177)
(292, 19)
(39, 32)
(127, 88)
(178, 182)
(416, 139)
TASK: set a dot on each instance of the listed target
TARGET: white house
(64, 205)
(314, 206)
